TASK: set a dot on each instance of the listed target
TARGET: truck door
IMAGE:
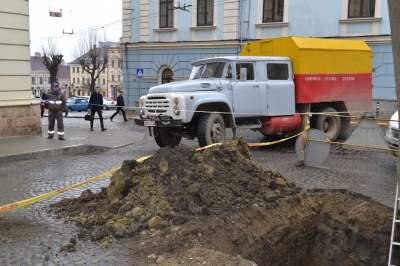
(245, 92)
(279, 89)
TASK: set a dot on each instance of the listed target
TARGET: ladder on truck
(396, 221)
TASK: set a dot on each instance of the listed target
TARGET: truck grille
(157, 105)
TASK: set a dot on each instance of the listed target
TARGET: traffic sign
(139, 73)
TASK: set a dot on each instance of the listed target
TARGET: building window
(361, 8)
(112, 77)
(104, 81)
(33, 80)
(77, 70)
(277, 71)
(273, 11)
(250, 70)
(205, 12)
(112, 63)
(166, 13)
(167, 76)
(73, 69)
(77, 79)
(40, 80)
(73, 80)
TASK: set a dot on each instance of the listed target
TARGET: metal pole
(377, 109)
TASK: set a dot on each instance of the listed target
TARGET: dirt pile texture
(218, 207)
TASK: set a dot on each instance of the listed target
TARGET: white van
(392, 132)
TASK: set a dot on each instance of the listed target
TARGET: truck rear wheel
(330, 125)
(165, 137)
(211, 129)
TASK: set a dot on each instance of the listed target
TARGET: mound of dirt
(180, 204)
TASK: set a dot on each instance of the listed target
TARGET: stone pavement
(78, 138)
(35, 236)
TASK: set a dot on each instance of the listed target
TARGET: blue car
(77, 104)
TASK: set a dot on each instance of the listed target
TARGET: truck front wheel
(165, 137)
(330, 125)
(211, 129)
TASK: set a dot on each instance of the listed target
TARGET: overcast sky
(78, 16)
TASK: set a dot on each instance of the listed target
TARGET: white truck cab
(222, 92)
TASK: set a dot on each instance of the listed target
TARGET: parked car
(392, 132)
(109, 103)
(77, 104)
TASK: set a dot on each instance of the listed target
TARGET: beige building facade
(80, 80)
(19, 110)
(110, 80)
(114, 70)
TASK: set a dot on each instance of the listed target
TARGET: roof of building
(101, 51)
(63, 72)
(37, 63)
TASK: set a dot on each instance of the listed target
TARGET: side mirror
(243, 74)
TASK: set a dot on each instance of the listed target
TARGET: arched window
(167, 76)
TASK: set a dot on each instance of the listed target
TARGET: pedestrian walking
(56, 103)
(120, 106)
(96, 106)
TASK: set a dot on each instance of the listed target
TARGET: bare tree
(92, 55)
(52, 58)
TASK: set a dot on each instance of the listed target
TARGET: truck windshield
(208, 70)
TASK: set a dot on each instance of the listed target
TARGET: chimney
(37, 54)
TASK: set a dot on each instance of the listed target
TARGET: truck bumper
(157, 123)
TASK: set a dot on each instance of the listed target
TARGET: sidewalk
(78, 140)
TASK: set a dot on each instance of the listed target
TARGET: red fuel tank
(277, 125)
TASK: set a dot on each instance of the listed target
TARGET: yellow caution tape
(22, 203)
(277, 141)
(26, 202)
(208, 146)
(354, 145)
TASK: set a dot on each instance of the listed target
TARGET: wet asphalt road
(33, 236)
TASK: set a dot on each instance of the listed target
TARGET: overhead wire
(115, 23)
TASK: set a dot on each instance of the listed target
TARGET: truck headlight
(141, 104)
(176, 110)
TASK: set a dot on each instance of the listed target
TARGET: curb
(70, 150)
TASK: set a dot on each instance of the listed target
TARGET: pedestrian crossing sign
(139, 73)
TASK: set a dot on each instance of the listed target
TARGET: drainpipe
(127, 71)
(240, 26)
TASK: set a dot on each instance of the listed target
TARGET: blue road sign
(139, 73)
